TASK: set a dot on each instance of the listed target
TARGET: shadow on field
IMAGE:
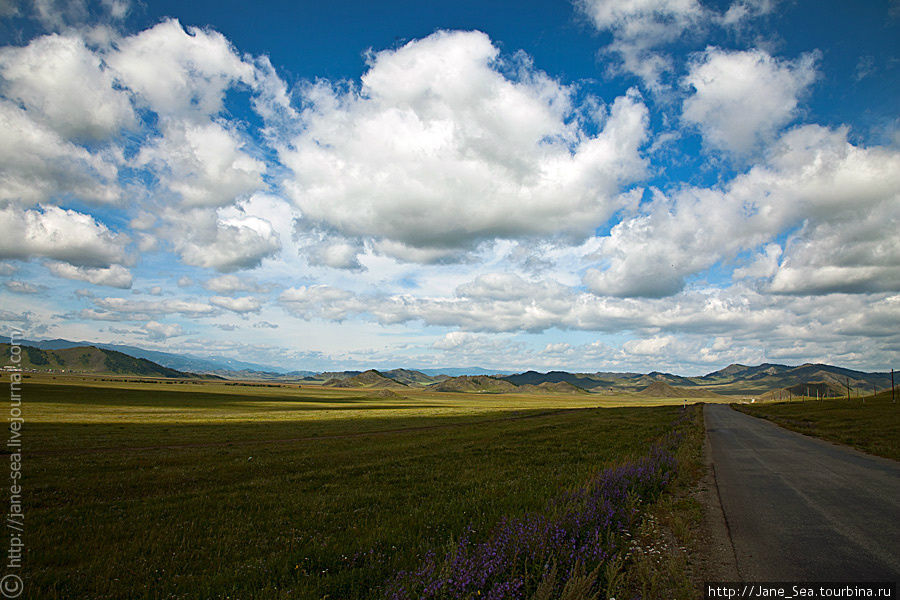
(176, 398)
(67, 438)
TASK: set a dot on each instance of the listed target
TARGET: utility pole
(892, 386)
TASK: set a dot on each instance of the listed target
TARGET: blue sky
(590, 185)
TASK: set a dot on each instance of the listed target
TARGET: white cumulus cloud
(244, 304)
(64, 84)
(844, 198)
(112, 276)
(230, 244)
(203, 164)
(56, 233)
(440, 149)
(741, 99)
(177, 72)
(38, 165)
(639, 27)
(160, 331)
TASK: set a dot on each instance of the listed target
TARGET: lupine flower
(584, 527)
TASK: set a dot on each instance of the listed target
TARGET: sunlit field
(154, 490)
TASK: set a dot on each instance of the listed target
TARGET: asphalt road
(801, 509)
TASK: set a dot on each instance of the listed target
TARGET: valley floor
(157, 490)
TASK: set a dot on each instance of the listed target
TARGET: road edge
(719, 559)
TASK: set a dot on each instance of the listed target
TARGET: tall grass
(239, 515)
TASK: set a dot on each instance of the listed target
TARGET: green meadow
(210, 490)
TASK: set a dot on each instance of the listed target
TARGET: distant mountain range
(181, 362)
(767, 377)
(763, 380)
(229, 367)
(735, 379)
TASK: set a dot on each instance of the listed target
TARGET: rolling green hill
(774, 379)
(89, 359)
(474, 383)
(733, 380)
(412, 377)
(367, 379)
(661, 389)
(559, 387)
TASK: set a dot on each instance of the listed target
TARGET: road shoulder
(717, 560)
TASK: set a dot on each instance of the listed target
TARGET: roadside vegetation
(166, 491)
(868, 423)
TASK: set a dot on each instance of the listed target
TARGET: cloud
(843, 199)
(117, 9)
(57, 14)
(331, 250)
(245, 304)
(865, 67)
(741, 99)
(651, 346)
(847, 198)
(186, 308)
(320, 301)
(9, 8)
(112, 276)
(7, 316)
(203, 164)
(64, 85)
(443, 148)
(741, 11)
(492, 176)
(227, 284)
(160, 331)
(860, 255)
(64, 235)
(879, 320)
(470, 348)
(64, 15)
(23, 287)
(640, 26)
(530, 307)
(509, 286)
(178, 73)
(234, 243)
(37, 165)
(558, 349)
(650, 255)
(641, 29)
(92, 314)
(764, 265)
(698, 327)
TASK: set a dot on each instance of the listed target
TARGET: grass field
(211, 490)
(870, 424)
